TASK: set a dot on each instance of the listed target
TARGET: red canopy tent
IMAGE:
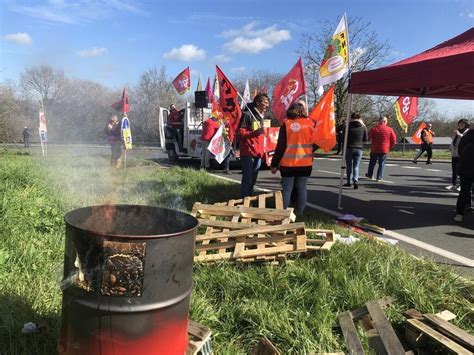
(445, 71)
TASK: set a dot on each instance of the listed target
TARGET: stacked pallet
(255, 228)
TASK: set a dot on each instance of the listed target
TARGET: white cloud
(222, 58)
(93, 52)
(186, 52)
(470, 15)
(77, 11)
(237, 70)
(18, 38)
(250, 40)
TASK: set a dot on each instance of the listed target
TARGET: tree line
(77, 109)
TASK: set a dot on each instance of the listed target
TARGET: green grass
(295, 305)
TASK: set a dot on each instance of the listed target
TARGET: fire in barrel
(127, 280)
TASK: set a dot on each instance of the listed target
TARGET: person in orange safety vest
(294, 155)
(426, 142)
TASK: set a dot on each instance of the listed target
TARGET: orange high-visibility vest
(299, 143)
(428, 136)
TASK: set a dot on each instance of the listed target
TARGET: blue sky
(114, 41)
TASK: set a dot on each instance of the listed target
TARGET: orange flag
(323, 116)
(416, 137)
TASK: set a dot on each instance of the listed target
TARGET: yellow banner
(399, 117)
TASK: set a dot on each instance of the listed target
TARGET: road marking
(388, 164)
(433, 170)
(404, 211)
(328, 172)
(411, 167)
(422, 245)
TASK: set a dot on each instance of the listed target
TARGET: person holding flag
(294, 155)
(209, 128)
(426, 142)
(114, 138)
(251, 137)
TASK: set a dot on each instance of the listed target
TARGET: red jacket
(383, 139)
(209, 128)
(251, 140)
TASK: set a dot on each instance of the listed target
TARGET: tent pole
(343, 160)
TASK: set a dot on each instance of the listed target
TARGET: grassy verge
(295, 305)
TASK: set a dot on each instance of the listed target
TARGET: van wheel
(172, 156)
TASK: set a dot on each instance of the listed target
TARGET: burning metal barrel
(127, 280)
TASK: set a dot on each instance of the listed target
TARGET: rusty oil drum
(127, 280)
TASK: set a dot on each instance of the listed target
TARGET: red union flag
(406, 110)
(323, 115)
(182, 82)
(416, 137)
(288, 90)
(123, 105)
(228, 101)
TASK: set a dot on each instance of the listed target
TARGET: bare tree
(154, 90)
(257, 79)
(367, 51)
(15, 113)
(43, 83)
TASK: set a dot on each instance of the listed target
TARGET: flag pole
(251, 113)
(306, 101)
(344, 145)
(348, 117)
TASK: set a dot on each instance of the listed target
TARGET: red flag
(209, 90)
(416, 137)
(264, 89)
(406, 110)
(123, 105)
(182, 82)
(229, 102)
(288, 90)
(323, 115)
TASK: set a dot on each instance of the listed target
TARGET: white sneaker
(450, 187)
(458, 218)
(458, 188)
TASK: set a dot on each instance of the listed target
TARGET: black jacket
(466, 155)
(357, 135)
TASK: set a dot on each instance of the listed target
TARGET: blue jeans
(299, 183)
(353, 158)
(250, 167)
(380, 158)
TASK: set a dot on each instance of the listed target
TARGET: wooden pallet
(423, 327)
(199, 339)
(234, 231)
(251, 244)
(271, 199)
(381, 336)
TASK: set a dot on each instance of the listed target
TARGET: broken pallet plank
(253, 231)
(380, 322)
(438, 337)
(449, 329)
(354, 346)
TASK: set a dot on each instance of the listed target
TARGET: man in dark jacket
(356, 137)
(251, 142)
(26, 136)
(466, 173)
